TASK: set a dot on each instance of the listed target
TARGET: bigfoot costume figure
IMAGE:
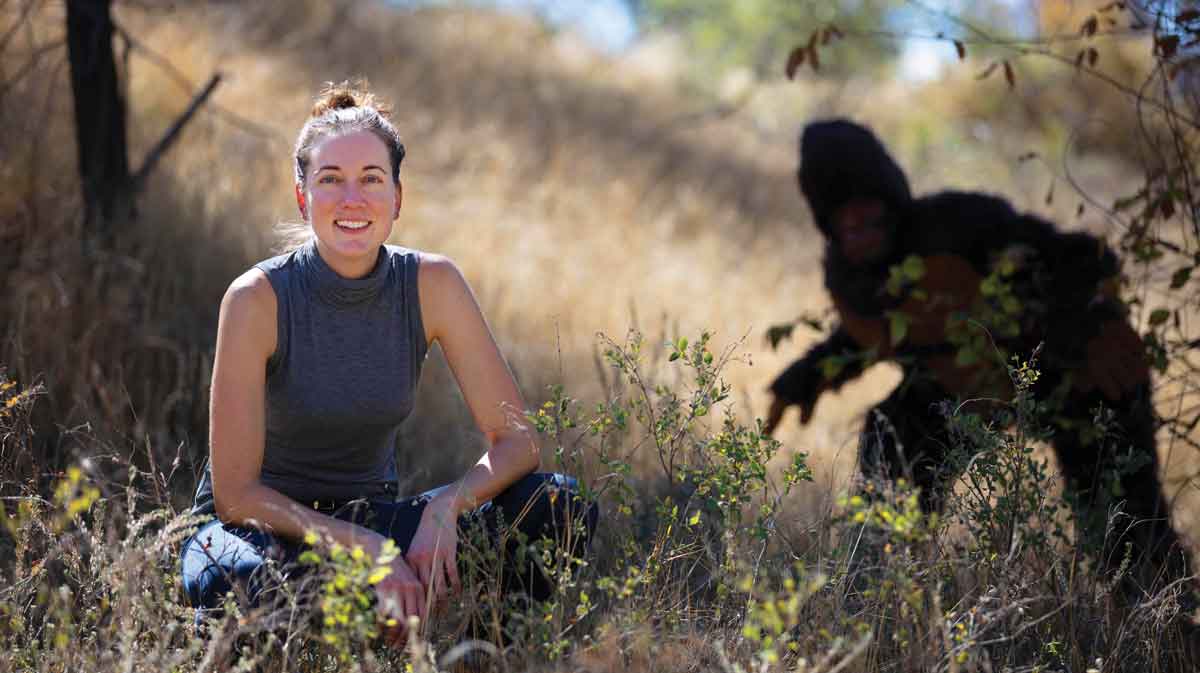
(948, 286)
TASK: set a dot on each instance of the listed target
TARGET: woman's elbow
(230, 504)
(520, 449)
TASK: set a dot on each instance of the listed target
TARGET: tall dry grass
(577, 195)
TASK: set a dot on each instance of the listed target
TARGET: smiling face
(350, 199)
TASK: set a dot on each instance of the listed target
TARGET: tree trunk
(99, 116)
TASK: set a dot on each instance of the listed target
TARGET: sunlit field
(584, 196)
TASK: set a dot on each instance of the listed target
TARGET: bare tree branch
(160, 148)
(182, 81)
(35, 57)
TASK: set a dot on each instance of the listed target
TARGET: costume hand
(401, 596)
(433, 553)
(1115, 361)
(780, 405)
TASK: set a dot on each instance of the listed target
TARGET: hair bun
(344, 95)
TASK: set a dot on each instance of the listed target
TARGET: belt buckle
(325, 505)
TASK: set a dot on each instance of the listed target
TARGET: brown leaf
(1187, 16)
(1009, 76)
(1166, 45)
(795, 60)
(1079, 57)
(1089, 27)
(1027, 157)
(1092, 56)
(1079, 210)
(961, 49)
(987, 71)
(1167, 208)
(1050, 194)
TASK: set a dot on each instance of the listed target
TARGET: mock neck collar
(336, 289)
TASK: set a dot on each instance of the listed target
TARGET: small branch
(26, 10)
(34, 59)
(160, 148)
(181, 80)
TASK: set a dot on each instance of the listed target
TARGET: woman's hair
(343, 108)
(339, 109)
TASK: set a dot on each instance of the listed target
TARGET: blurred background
(594, 167)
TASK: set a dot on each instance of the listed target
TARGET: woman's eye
(328, 179)
(373, 178)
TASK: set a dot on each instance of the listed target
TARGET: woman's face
(350, 200)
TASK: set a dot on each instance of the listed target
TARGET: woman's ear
(399, 198)
(300, 201)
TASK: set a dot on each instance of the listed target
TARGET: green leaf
(831, 367)
(966, 357)
(913, 268)
(695, 519)
(1159, 316)
(898, 323)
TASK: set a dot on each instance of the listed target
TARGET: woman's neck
(355, 267)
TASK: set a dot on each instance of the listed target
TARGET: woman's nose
(352, 194)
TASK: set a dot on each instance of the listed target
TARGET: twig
(160, 148)
(182, 81)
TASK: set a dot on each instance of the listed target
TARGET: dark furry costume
(1021, 283)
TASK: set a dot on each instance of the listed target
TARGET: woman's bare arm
(452, 318)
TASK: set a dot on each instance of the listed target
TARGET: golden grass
(577, 198)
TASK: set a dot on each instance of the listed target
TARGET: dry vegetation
(581, 196)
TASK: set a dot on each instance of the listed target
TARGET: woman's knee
(216, 559)
(549, 504)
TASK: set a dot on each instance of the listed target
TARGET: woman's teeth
(351, 224)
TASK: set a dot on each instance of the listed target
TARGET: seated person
(318, 355)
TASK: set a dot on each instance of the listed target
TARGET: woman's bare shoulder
(249, 307)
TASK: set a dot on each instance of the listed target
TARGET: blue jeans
(220, 557)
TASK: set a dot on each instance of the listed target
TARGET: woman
(317, 360)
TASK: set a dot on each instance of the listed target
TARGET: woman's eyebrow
(329, 167)
(370, 166)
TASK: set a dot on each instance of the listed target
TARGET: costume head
(841, 161)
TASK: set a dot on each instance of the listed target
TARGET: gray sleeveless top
(343, 376)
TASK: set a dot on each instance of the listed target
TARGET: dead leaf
(961, 49)
(987, 71)
(1009, 76)
(795, 60)
(1089, 27)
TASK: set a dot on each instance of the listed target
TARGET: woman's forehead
(346, 150)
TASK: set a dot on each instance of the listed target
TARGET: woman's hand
(433, 553)
(401, 595)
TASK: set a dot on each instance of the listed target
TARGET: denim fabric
(220, 557)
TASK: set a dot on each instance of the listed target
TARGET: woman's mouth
(352, 226)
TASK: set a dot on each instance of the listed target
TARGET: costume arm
(1077, 274)
(804, 381)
